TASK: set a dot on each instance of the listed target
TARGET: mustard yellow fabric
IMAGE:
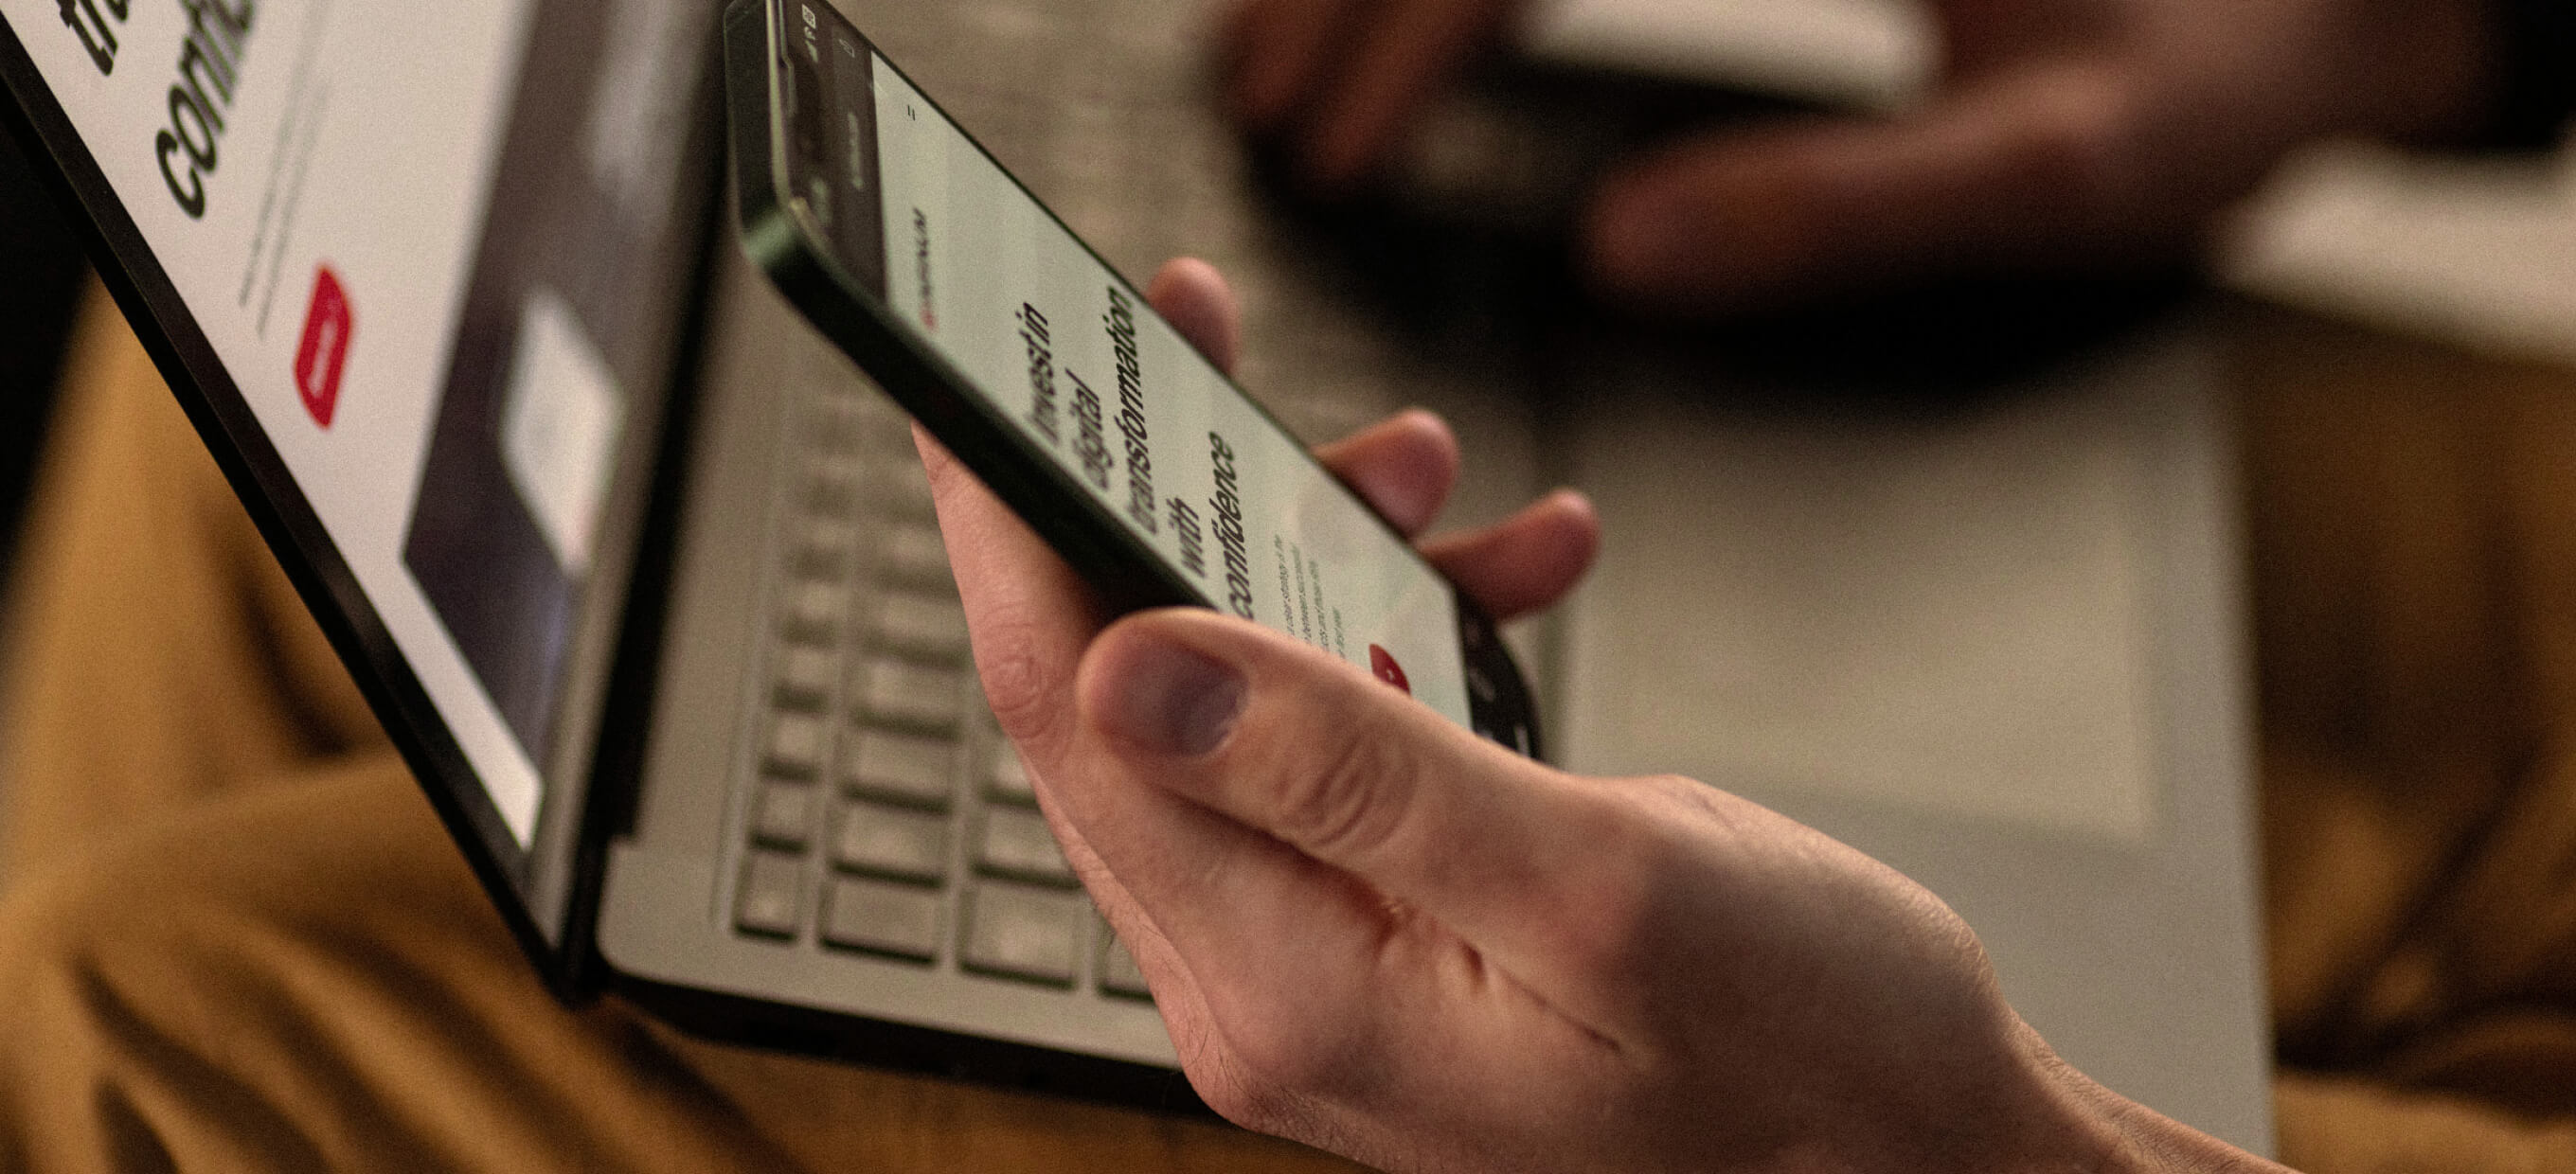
(2413, 528)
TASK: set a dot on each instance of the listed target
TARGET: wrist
(2074, 1123)
(2067, 1121)
(2135, 1139)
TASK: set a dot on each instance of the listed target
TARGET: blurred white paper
(2479, 252)
(1874, 54)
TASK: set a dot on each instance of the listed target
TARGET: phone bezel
(1126, 573)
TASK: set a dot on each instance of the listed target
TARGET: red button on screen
(325, 346)
(1382, 663)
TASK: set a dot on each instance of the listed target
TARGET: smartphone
(978, 311)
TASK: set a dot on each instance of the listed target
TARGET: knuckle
(1614, 919)
(1025, 691)
(1350, 801)
(1646, 843)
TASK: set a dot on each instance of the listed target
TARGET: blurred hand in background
(2062, 134)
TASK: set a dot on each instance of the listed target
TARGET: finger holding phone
(1374, 932)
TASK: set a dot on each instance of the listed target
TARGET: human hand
(2063, 133)
(1370, 930)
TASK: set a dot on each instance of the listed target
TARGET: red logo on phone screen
(324, 349)
(1382, 663)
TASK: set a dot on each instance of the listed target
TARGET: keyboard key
(910, 693)
(894, 841)
(771, 900)
(908, 768)
(899, 489)
(928, 626)
(883, 918)
(804, 676)
(1005, 777)
(795, 746)
(912, 554)
(783, 814)
(1035, 934)
(835, 424)
(833, 488)
(1119, 974)
(814, 608)
(1015, 842)
(867, 414)
(826, 549)
(889, 432)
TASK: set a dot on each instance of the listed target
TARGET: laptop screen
(420, 264)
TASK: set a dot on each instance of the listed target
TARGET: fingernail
(1170, 699)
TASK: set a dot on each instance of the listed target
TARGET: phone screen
(1055, 342)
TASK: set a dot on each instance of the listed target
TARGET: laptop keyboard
(884, 816)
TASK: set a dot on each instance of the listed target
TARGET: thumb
(1343, 771)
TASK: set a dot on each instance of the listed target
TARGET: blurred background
(2474, 251)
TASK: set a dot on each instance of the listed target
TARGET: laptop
(641, 578)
